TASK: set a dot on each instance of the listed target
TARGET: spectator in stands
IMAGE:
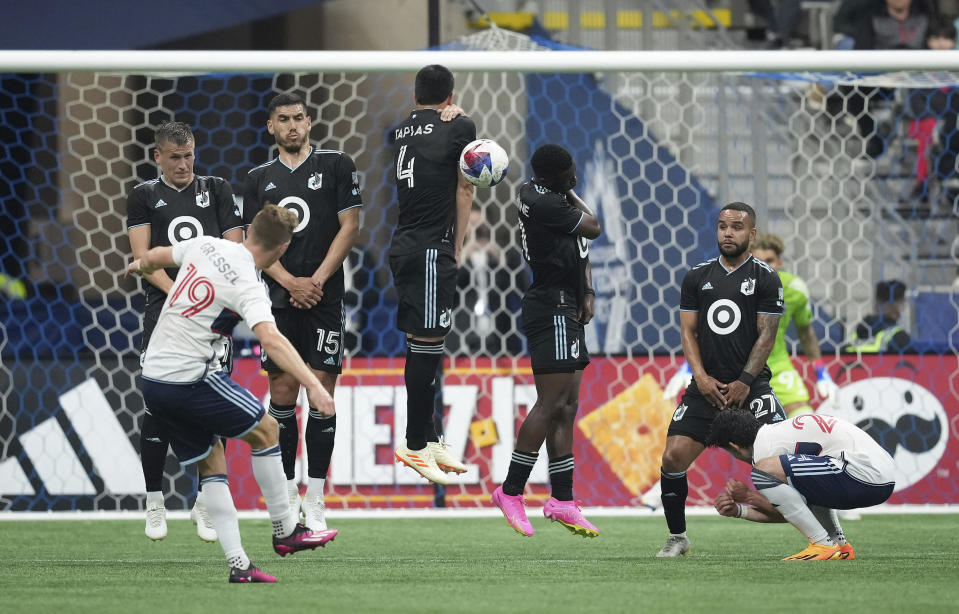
(880, 332)
(845, 23)
(782, 19)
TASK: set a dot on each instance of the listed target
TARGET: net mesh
(856, 174)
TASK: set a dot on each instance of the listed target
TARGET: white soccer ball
(484, 163)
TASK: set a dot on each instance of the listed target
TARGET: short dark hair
(738, 426)
(891, 290)
(738, 206)
(287, 99)
(178, 133)
(434, 84)
(550, 160)
(943, 29)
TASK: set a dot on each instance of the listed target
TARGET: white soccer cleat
(422, 462)
(156, 521)
(204, 526)
(314, 509)
(295, 504)
(444, 459)
(675, 547)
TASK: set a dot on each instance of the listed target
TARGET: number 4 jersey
(218, 285)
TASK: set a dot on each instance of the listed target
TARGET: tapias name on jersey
(217, 260)
(405, 131)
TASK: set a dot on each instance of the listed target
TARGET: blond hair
(771, 242)
(273, 226)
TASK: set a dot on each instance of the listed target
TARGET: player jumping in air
(555, 224)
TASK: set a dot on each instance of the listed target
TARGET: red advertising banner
(909, 405)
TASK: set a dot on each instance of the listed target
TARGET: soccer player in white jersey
(195, 403)
(804, 469)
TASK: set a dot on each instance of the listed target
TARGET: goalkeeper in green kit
(786, 381)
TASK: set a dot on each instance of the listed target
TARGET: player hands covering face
(734, 232)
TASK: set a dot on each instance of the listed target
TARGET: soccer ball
(484, 163)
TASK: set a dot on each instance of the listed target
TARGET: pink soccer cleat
(302, 539)
(249, 575)
(514, 508)
(568, 514)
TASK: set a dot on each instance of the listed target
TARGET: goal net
(856, 173)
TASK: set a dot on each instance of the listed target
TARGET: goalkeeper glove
(826, 388)
(679, 381)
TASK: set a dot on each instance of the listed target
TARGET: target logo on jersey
(905, 418)
(723, 316)
(183, 228)
(298, 206)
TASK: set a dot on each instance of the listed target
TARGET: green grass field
(907, 563)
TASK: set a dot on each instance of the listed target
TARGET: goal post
(661, 141)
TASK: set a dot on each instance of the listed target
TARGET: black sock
(519, 467)
(434, 426)
(561, 477)
(320, 433)
(422, 360)
(153, 448)
(675, 488)
(289, 436)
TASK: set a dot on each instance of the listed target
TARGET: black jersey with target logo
(727, 303)
(205, 207)
(556, 254)
(319, 189)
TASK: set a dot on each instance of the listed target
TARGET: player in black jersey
(434, 203)
(176, 206)
(306, 284)
(555, 224)
(729, 314)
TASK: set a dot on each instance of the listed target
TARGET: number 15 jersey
(218, 285)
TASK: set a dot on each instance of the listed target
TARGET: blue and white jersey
(218, 285)
(818, 435)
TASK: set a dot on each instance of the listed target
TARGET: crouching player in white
(195, 403)
(804, 469)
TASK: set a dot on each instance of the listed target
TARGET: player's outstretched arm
(151, 261)
(768, 325)
(825, 385)
(280, 351)
(139, 245)
(709, 387)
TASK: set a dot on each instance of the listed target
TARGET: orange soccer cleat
(815, 552)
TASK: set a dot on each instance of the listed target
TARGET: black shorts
(555, 336)
(694, 416)
(425, 288)
(316, 334)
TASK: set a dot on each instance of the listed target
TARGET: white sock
(155, 496)
(683, 535)
(268, 472)
(199, 497)
(793, 508)
(315, 486)
(292, 486)
(829, 519)
(219, 505)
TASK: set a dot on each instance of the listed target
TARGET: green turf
(904, 564)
